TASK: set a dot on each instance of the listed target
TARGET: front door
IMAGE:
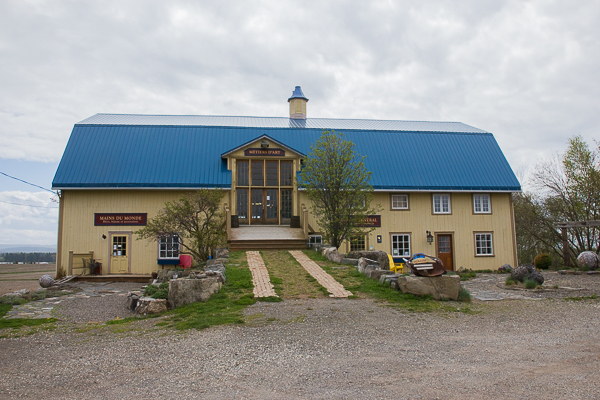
(271, 202)
(257, 207)
(444, 251)
(119, 259)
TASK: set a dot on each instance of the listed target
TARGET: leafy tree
(337, 183)
(196, 219)
(565, 188)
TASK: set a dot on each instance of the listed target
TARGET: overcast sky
(527, 71)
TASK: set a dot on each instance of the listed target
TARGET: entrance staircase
(267, 237)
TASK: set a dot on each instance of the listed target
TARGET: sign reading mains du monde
(120, 219)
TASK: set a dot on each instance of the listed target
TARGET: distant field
(15, 277)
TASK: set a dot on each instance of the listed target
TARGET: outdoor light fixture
(264, 144)
(103, 236)
(429, 237)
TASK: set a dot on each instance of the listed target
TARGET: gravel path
(317, 349)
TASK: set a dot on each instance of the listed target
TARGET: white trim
(438, 191)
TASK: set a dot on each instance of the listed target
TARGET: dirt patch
(15, 277)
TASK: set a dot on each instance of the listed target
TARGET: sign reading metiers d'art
(264, 152)
(120, 219)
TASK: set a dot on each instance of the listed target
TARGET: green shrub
(510, 281)
(164, 285)
(464, 295)
(530, 284)
(150, 290)
(161, 294)
(542, 261)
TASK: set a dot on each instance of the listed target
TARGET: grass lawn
(362, 286)
(225, 307)
(290, 280)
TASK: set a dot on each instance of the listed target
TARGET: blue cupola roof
(297, 94)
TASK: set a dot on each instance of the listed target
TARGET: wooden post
(70, 266)
(565, 245)
(228, 216)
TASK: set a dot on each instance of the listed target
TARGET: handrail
(305, 221)
(228, 221)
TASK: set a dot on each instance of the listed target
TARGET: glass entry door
(271, 202)
(258, 209)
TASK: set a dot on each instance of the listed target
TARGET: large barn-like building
(443, 181)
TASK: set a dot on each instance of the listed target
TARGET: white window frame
(165, 240)
(311, 237)
(400, 201)
(405, 236)
(480, 201)
(440, 209)
(484, 244)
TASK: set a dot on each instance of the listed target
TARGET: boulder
(187, 291)
(369, 270)
(364, 263)
(588, 259)
(505, 268)
(148, 305)
(157, 306)
(215, 261)
(221, 253)
(326, 250)
(377, 255)
(132, 302)
(522, 272)
(350, 261)
(379, 273)
(443, 286)
(46, 281)
(537, 277)
(215, 267)
(335, 256)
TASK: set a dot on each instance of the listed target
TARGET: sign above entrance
(372, 221)
(120, 219)
(264, 152)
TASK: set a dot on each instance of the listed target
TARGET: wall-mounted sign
(371, 221)
(264, 152)
(120, 219)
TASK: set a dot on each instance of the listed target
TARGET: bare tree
(196, 220)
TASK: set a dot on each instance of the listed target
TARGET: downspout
(61, 213)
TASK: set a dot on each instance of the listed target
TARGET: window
(286, 173)
(257, 173)
(481, 204)
(168, 247)
(400, 245)
(483, 244)
(357, 243)
(441, 204)
(242, 173)
(399, 202)
(272, 177)
(315, 239)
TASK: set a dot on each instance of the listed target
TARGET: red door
(444, 251)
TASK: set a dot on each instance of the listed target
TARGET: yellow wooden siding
(80, 235)
(462, 224)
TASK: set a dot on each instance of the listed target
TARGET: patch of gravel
(98, 302)
(323, 349)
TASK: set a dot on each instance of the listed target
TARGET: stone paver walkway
(324, 279)
(260, 276)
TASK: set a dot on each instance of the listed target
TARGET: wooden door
(119, 259)
(444, 251)
(257, 207)
(272, 206)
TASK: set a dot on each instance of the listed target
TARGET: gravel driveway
(319, 349)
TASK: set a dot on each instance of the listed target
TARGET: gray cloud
(524, 70)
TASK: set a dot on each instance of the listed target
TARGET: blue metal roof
(189, 156)
(277, 122)
(297, 94)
